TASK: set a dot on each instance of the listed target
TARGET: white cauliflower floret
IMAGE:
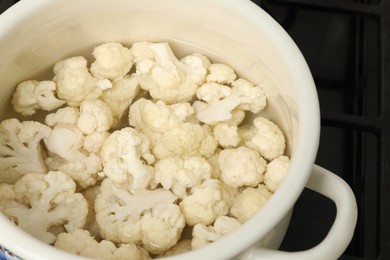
(182, 111)
(94, 142)
(203, 235)
(249, 202)
(180, 174)
(121, 95)
(40, 202)
(65, 154)
(221, 73)
(241, 167)
(74, 82)
(276, 171)
(222, 101)
(205, 203)
(64, 116)
(20, 149)
(31, 95)
(119, 211)
(268, 139)
(169, 136)
(95, 115)
(112, 61)
(80, 242)
(212, 91)
(122, 154)
(227, 136)
(161, 228)
(252, 97)
(164, 76)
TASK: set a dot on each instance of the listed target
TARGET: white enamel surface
(36, 34)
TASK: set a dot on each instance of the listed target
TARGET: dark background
(346, 44)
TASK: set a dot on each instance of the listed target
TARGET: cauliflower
(164, 76)
(74, 82)
(169, 136)
(221, 73)
(276, 171)
(119, 211)
(205, 203)
(112, 61)
(203, 235)
(227, 136)
(65, 154)
(39, 202)
(95, 115)
(20, 149)
(266, 138)
(161, 228)
(31, 95)
(222, 101)
(63, 116)
(68, 117)
(80, 242)
(180, 174)
(241, 167)
(122, 154)
(249, 202)
(187, 167)
(121, 95)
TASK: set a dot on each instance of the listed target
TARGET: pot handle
(341, 232)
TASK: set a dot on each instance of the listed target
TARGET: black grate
(346, 44)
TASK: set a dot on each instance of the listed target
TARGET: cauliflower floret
(221, 73)
(95, 115)
(20, 149)
(118, 210)
(94, 142)
(112, 61)
(31, 95)
(121, 95)
(249, 202)
(252, 97)
(169, 136)
(227, 136)
(213, 161)
(74, 82)
(121, 155)
(222, 101)
(241, 167)
(65, 154)
(268, 139)
(212, 91)
(205, 203)
(64, 116)
(203, 235)
(276, 171)
(180, 174)
(40, 202)
(161, 228)
(80, 242)
(164, 76)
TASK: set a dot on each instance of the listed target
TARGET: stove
(347, 46)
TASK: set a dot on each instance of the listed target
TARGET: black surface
(346, 44)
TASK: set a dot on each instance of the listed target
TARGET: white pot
(36, 34)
